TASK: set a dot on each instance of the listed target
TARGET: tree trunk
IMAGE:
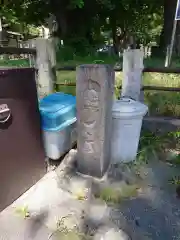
(60, 13)
(62, 25)
(169, 14)
(177, 40)
(89, 36)
(114, 35)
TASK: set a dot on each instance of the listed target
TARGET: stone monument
(94, 92)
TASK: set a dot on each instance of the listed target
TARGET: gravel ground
(156, 210)
(153, 213)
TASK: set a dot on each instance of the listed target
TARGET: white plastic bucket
(57, 143)
(127, 122)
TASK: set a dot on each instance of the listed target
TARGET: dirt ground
(65, 201)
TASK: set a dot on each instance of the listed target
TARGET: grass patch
(150, 145)
(23, 212)
(163, 103)
(155, 145)
(71, 59)
(109, 195)
(159, 62)
(80, 194)
(70, 235)
(174, 158)
(115, 195)
(87, 60)
(67, 77)
(68, 56)
(64, 233)
(15, 63)
(175, 181)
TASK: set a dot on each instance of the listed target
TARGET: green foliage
(9, 15)
(79, 45)
(175, 135)
(76, 3)
(82, 22)
(151, 145)
(175, 180)
(163, 103)
(175, 159)
(67, 56)
(148, 27)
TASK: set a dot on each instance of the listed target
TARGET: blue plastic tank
(58, 111)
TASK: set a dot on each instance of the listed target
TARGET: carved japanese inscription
(94, 102)
(91, 94)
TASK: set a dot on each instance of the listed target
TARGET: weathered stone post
(45, 61)
(132, 74)
(94, 93)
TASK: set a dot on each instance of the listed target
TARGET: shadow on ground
(155, 211)
(152, 213)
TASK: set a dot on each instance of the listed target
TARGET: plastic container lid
(56, 101)
(58, 110)
(127, 108)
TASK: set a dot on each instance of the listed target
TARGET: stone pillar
(44, 66)
(94, 93)
(132, 73)
(52, 58)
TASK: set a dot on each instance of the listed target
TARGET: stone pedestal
(94, 92)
